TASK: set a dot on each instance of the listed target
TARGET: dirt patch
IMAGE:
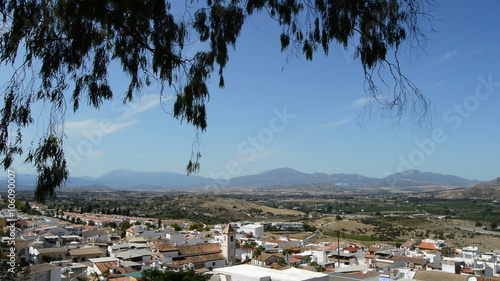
(456, 238)
(236, 204)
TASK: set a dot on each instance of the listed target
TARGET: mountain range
(282, 177)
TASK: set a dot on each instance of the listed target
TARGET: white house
(45, 272)
(247, 272)
(138, 255)
(255, 229)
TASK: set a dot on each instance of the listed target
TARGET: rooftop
(200, 259)
(290, 274)
(86, 251)
(439, 276)
(40, 268)
(199, 249)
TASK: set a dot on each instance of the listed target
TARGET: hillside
(213, 209)
(311, 187)
(289, 177)
(485, 190)
(412, 178)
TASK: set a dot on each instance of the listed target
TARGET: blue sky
(278, 110)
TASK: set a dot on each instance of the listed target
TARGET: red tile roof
(105, 266)
(351, 249)
(199, 249)
(200, 259)
(165, 247)
(428, 246)
(86, 251)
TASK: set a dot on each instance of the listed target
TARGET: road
(474, 229)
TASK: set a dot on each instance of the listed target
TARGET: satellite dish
(472, 279)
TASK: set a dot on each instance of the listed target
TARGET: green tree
(11, 270)
(319, 268)
(124, 225)
(306, 259)
(250, 244)
(194, 226)
(308, 227)
(47, 259)
(111, 224)
(258, 251)
(494, 225)
(286, 253)
(69, 46)
(27, 207)
(189, 275)
(176, 227)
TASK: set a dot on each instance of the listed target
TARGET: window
(231, 238)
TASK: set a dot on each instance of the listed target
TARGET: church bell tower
(229, 244)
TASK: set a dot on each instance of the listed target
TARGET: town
(79, 243)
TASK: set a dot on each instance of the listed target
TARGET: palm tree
(306, 259)
(281, 261)
(319, 268)
(287, 253)
(258, 251)
(250, 245)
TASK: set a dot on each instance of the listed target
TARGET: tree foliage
(61, 51)
(189, 275)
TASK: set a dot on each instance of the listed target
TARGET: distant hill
(484, 190)
(317, 187)
(92, 187)
(288, 176)
(411, 180)
(128, 179)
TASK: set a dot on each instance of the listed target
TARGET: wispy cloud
(361, 102)
(446, 56)
(334, 124)
(435, 85)
(136, 107)
(480, 49)
(94, 126)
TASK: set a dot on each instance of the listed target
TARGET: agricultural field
(361, 218)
